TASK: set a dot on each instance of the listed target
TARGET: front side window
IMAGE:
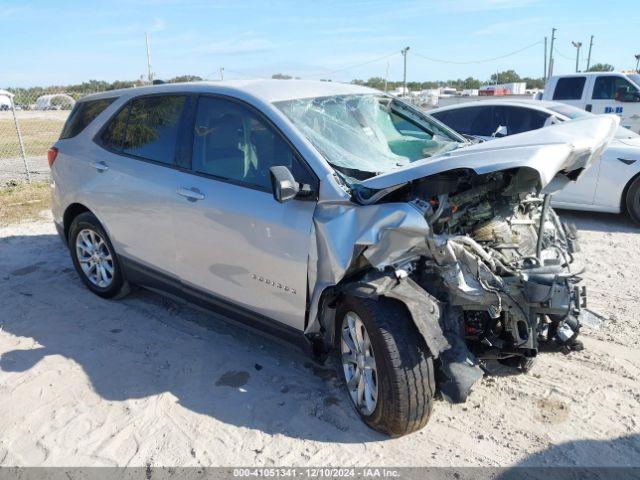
(152, 127)
(606, 87)
(474, 121)
(83, 114)
(233, 143)
(520, 119)
(364, 135)
(569, 88)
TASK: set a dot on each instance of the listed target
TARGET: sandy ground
(146, 380)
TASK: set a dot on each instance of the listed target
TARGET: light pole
(553, 39)
(577, 45)
(149, 72)
(404, 75)
(637, 55)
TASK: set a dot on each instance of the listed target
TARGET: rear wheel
(386, 366)
(632, 200)
(94, 258)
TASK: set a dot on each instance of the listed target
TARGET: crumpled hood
(560, 148)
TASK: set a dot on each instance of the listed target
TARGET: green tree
(534, 82)
(508, 76)
(601, 67)
(185, 78)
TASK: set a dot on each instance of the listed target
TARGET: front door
(233, 239)
(603, 100)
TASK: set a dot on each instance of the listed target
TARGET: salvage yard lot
(147, 380)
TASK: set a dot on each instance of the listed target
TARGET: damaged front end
(483, 264)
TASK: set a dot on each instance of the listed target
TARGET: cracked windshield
(364, 135)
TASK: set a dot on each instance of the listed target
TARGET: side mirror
(284, 186)
(501, 131)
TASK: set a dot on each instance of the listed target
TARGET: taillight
(52, 153)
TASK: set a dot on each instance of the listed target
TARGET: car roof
(523, 102)
(267, 90)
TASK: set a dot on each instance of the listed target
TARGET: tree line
(28, 95)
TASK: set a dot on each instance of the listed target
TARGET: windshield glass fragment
(364, 135)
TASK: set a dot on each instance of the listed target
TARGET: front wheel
(386, 365)
(632, 200)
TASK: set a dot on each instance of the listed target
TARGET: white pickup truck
(599, 92)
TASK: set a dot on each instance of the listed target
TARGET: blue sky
(60, 42)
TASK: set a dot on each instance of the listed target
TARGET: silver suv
(335, 216)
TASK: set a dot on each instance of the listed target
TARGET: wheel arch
(71, 212)
(625, 190)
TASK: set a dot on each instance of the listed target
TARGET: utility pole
(553, 39)
(149, 73)
(404, 75)
(544, 76)
(577, 45)
(386, 77)
(589, 56)
(222, 73)
(637, 62)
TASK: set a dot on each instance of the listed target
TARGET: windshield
(364, 135)
(635, 77)
(572, 112)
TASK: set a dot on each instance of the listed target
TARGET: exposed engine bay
(471, 247)
(501, 282)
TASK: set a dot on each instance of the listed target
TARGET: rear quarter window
(82, 115)
(569, 88)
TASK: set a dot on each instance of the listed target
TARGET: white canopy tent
(54, 101)
(6, 98)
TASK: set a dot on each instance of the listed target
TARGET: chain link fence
(30, 122)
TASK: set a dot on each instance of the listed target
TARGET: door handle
(100, 166)
(190, 194)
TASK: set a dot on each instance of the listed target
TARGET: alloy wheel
(95, 258)
(359, 364)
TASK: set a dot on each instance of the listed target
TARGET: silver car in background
(612, 183)
(336, 217)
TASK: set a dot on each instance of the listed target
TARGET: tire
(404, 366)
(86, 228)
(632, 200)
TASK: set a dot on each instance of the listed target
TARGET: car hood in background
(562, 148)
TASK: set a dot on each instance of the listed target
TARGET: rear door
(135, 178)
(234, 240)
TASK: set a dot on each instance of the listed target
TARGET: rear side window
(152, 128)
(82, 115)
(112, 136)
(569, 88)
